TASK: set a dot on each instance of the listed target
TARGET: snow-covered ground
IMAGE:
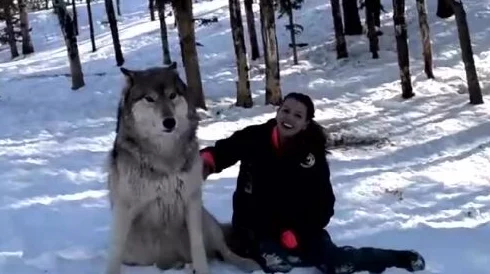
(429, 191)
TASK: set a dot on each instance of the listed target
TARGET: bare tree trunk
(27, 47)
(371, 31)
(175, 15)
(7, 6)
(163, 32)
(68, 30)
(47, 4)
(118, 7)
(254, 45)
(339, 30)
(474, 89)
(111, 16)
(152, 9)
(244, 97)
(187, 37)
(376, 9)
(273, 93)
(75, 16)
(402, 47)
(91, 24)
(352, 20)
(444, 9)
(292, 34)
(425, 34)
(54, 3)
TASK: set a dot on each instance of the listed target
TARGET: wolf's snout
(169, 123)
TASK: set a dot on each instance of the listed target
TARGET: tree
(68, 30)
(402, 47)
(91, 24)
(7, 8)
(444, 9)
(75, 16)
(425, 34)
(27, 47)
(111, 16)
(474, 89)
(118, 7)
(152, 9)
(371, 29)
(339, 30)
(254, 45)
(352, 20)
(163, 32)
(287, 7)
(244, 97)
(375, 8)
(185, 24)
(273, 93)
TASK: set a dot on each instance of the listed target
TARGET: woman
(284, 198)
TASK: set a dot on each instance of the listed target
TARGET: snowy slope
(429, 191)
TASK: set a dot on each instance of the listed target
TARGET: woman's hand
(207, 164)
(206, 170)
(288, 239)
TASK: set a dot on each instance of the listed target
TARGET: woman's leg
(269, 254)
(331, 259)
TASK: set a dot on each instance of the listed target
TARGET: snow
(428, 191)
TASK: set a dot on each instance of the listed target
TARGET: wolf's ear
(129, 75)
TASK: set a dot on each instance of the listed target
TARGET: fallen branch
(53, 76)
(342, 140)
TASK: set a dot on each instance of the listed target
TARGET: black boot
(272, 258)
(381, 259)
(340, 262)
(410, 260)
(375, 260)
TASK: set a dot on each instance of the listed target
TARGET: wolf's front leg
(195, 230)
(121, 224)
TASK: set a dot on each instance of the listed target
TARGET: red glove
(208, 164)
(288, 239)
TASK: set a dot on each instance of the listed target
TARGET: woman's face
(291, 118)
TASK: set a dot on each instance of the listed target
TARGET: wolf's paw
(200, 269)
(197, 272)
(174, 265)
(179, 265)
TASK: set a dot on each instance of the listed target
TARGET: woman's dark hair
(314, 134)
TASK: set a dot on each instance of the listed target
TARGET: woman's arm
(226, 152)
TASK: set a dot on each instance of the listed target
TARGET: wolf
(155, 179)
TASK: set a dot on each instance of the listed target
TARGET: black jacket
(276, 191)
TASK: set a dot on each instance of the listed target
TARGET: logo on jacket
(309, 161)
(248, 188)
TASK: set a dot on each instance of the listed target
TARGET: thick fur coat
(155, 180)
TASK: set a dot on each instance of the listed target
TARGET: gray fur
(155, 180)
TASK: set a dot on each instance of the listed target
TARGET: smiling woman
(284, 198)
(293, 117)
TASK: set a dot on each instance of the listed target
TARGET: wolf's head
(155, 103)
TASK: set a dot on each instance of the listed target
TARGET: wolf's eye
(172, 95)
(149, 99)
